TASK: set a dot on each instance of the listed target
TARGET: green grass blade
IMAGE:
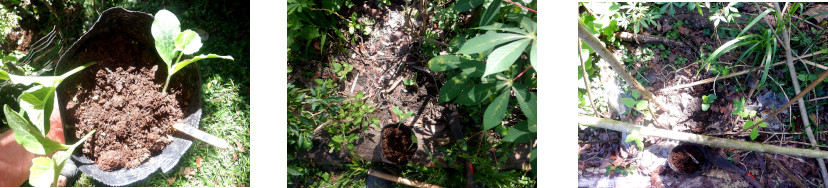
(762, 15)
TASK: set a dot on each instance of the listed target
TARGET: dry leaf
(239, 146)
(171, 180)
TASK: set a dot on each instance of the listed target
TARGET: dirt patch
(397, 146)
(124, 103)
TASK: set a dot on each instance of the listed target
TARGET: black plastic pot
(137, 27)
(699, 155)
(382, 139)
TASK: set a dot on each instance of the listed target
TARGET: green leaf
(504, 56)
(165, 28)
(762, 15)
(518, 134)
(4, 75)
(180, 65)
(28, 136)
(705, 106)
(293, 171)
(452, 87)
(496, 111)
(35, 101)
(489, 15)
(748, 123)
(629, 102)
(754, 133)
(476, 93)
(533, 55)
(464, 5)
(337, 138)
(188, 42)
(443, 63)
(501, 27)
(527, 24)
(42, 173)
(487, 41)
(528, 102)
(739, 41)
(642, 105)
(636, 94)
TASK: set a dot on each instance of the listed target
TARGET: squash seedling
(707, 100)
(171, 43)
(31, 124)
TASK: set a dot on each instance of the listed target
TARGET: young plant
(31, 124)
(402, 115)
(171, 43)
(342, 70)
(741, 110)
(707, 100)
(755, 131)
(410, 81)
(640, 105)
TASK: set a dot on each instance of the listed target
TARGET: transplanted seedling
(171, 43)
(31, 124)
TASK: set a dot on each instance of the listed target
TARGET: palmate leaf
(528, 102)
(476, 93)
(489, 15)
(452, 87)
(28, 136)
(518, 134)
(487, 41)
(496, 111)
(504, 56)
(165, 28)
(501, 27)
(443, 62)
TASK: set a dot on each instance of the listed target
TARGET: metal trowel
(201, 135)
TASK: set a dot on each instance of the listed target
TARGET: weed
(707, 100)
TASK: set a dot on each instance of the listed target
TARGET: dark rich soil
(396, 144)
(681, 160)
(122, 101)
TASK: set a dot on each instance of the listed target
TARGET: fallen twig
(586, 81)
(602, 51)
(399, 180)
(728, 76)
(785, 171)
(699, 139)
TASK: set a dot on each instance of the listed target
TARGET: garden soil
(124, 103)
(396, 144)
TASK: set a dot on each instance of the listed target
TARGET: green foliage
(620, 170)
(741, 110)
(725, 14)
(31, 125)
(761, 45)
(755, 131)
(707, 100)
(639, 16)
(342, 70)
(640, 105)
(402, 115)
(171, 43)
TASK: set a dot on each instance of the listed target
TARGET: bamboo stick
(698, 139)
(602, 51)
(400, 180)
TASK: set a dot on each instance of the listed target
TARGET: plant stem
(521, 73)
(170, 73)
(699, 139)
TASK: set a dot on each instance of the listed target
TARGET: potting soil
(396, 144)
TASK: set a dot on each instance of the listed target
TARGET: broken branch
(698, 139)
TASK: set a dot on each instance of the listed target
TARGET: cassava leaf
(452, 87)
(496, 111)
(504, 56)
(527, 100)
(464, 5)
(476, 93)
(489, 15)
(533, 55)
(518, 134)
(487, 41)
(443, 63)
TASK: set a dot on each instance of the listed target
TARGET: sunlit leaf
(504, 56)
(165, 28)
(496, 111)
(188, 42)
(443, 63)
(42, 173)
(487, 41)
(28, 136)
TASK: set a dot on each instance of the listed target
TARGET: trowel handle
(201, 135)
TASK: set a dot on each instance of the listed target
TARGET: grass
(225, 93)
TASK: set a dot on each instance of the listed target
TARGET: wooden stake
(400, 180)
